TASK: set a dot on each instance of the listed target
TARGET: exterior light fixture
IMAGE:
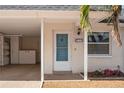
(78, 28)
(78, 31)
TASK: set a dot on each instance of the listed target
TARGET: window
(98, 43)
(122, 11)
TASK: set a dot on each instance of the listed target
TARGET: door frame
(69, 49)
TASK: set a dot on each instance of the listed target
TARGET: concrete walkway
(20, 84)
(63, 76)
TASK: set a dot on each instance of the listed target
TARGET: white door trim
(68, 65)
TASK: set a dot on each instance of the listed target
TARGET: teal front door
(62, 60)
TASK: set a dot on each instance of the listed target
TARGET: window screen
(98, 43)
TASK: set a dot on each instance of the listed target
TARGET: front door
(62, 52)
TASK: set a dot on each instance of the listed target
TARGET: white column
(85, 56)
(42, 50)
(14, 43)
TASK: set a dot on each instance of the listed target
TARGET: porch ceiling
(23, 26)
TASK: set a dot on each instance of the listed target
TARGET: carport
(20, 47)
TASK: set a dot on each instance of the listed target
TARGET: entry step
(62, 72)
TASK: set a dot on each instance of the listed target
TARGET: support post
(42, 50)
(85, 56)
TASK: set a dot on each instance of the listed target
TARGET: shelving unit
(4, 50)
(1, 49)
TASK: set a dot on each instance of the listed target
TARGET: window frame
(110, 46)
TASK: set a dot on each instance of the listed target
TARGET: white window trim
(98, 43)
(110, 47)
(99, 55)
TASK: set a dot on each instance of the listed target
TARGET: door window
(62, 47)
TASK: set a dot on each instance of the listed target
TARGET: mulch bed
(107, 73)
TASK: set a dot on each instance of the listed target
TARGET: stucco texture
(94, 63)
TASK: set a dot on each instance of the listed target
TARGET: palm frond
(116, 10)
(114, 18)
(84, 17)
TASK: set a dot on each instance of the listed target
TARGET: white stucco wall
(14, 41)
(110, 62)
(49, 42)
(94, 63)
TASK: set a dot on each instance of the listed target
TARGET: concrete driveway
(20, 73)
(20, 84)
